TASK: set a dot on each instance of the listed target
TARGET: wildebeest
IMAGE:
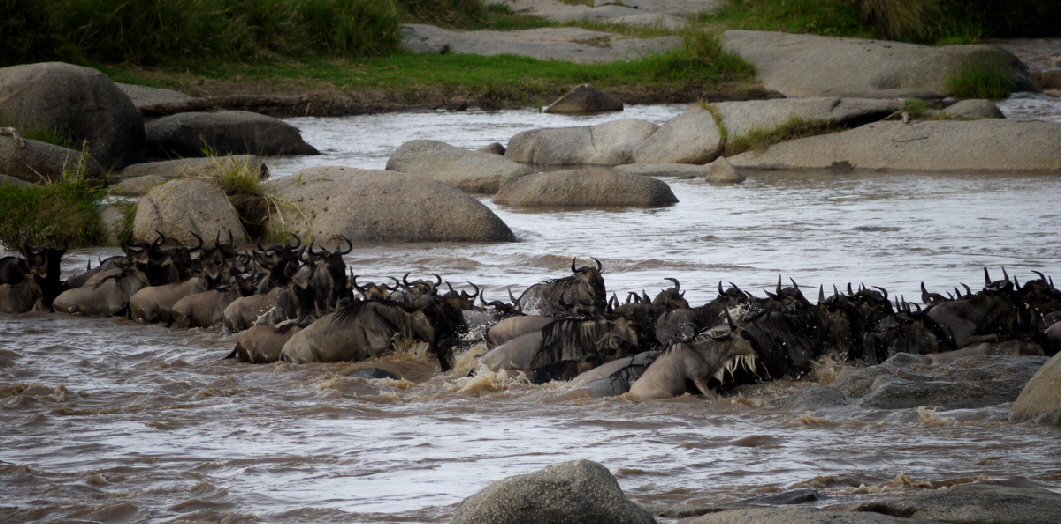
(263, 344)
(615, 377)
(154, 303)
(688, 366)
(207, 308)
(104, 295)
(585, 286)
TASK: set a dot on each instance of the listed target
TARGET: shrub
(64, 209)
(978, 81)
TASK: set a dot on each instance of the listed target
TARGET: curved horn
(196, 248)
(347, 252)
(438, 280)
(795, 285)
(449, 286)
(599, 265)
(476, 288)
(158, 241)
(885, 291)
(677, 285)
(298, 242)
(510, 297)
(987, 277)
(405, 280)
(769, 294)
(260, 248)
(573, 270)
(821, 293)
(357, 287)
(1042, 277)
(836, 292)
(720, 290)
(323, 252)
(729, 321)
(397, 284)
(778, 284)
(849, 292)
(631, 296)
(968, 291)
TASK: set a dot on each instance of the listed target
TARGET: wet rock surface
(471, 171)
(585, 188)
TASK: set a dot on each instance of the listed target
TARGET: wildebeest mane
(569, 339)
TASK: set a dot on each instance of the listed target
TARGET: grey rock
(224, 133)
(181, 207)
(327, 204)
(810, 65)
(585, 188)
(665, 170)
(797, 515)
(692, 137)
(552, 43)
(723, 172)
(905, 381)
(792, 496)
(12, 181)
(143, 95)
(970, 504)
(494, 148)
(112, 220)
(470, 171)
(742, 118)
(974, 109)
(579, 491)
(138, 186)
(610, 143)
(585, 99)
(1040, 400)
(138, 179)
(41, 162)
(937, 145)
(78, 101)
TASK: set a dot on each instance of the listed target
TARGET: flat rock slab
(470, 171)
(562, 43)
(935, 145)
(810, 65)
(970, 504)
(144, 96)
(585, 188)
(329, 204)
(665, 170)
(742, 118)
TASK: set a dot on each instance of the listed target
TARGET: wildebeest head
(372, 290)
(671, 298)
(906, 331)
(462, 300)
(583, 288)
(785, 299)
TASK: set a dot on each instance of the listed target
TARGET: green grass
(978, 81)
(794, 128)
(65, 209)
(819, 17)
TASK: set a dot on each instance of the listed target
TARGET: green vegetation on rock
(794, 128)
(67, 208)
(979, 81)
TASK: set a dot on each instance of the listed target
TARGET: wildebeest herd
(296, 303)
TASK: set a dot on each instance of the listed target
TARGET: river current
(106, 420)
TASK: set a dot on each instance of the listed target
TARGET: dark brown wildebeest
(584, 287)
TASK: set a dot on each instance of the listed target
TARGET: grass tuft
(67, 208)
(794, 128)
(978, 81)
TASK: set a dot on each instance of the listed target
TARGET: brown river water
(106, 420)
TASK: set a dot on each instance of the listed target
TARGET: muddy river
(105, 420)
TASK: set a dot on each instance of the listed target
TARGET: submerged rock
(611, 143)
(722, 172)
(585, 99)
(579, 491)
(585, 188)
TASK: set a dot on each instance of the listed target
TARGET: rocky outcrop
(974, 109)
(722, 173)
(907, 381)
(810, 65)
(79, 102)
(585, 99)
(327, 204)
(579, 491)
(138, 179)
(41, 162)
(742, 118)
(197, 133)
(968, 504)
(611, 143)
(143, 95)
(692, 137)
(585, 188)
(182, 207)
(471, 171)
(936, 145)
(1040, 400)
(665, 170)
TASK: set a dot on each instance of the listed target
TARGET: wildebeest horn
(821, 293)
(849, 292)
(347, 252)
(231, 239)
(298, 242)
(397, 284)
(720, 290)
(405, 279)
(778, 284)
(885, 291)
(968, 291)
(260, 248)
(323, 252)
(644, 297)
(836, 292)
(795, 285)
(438, 280)
(769, 294)
(987, 277)
(957, 293)
(599, 265)
(631, 296)
(677, 285)
(449, 286)
(357, 287)
(196, 248)
(1042, 277)
(573, 270)
(158, 241)
(510, 297)
(475, 287)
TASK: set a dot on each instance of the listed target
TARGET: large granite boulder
(579, 491)
(742, 118)
(692, 137)
(185, 206)
(1040, 400)
(810, 65)
(40, 162)
(936, 145)
(471, 171)
(79, 102)
(968, 504)
(611, 143)
(585, 188)
(144, 96)
(224, 133)
(585, 99)
(328, 204)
